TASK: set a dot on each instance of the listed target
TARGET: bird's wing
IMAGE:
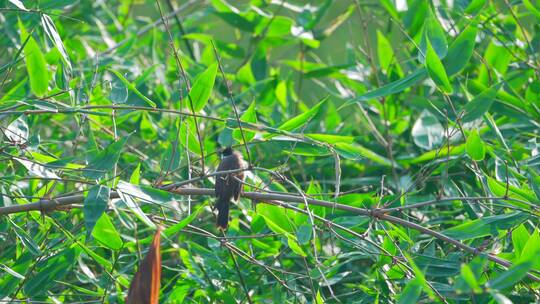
(238, 185)
(223, 181)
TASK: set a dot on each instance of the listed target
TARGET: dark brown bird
(229, 185)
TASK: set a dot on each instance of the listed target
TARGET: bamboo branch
(52, 204)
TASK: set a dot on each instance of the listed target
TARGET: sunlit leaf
(303, 118)
(52, 32)
(130, 193)
(105, 233)
(385, 54)
(202, 87)
(17, 131)
(35, 63)
(485, 226)
(475, 146)
(436, 70)
(511, 276)
(37, 169)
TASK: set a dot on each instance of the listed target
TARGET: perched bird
(228, 185)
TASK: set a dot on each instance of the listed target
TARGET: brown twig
(233, 103)
(182, 73)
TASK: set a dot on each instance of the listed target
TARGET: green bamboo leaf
(129, 194)
(534, 181)
(386, 55)
(202, 87)
(27, 241)
(391, 88)
(18, 131)
(240, 21)
(295, 247)
(324, 71)
(416, 16)
(11, 272)
(468, 275)
(331, 138)
(532, 249)
(411, 292)
(250, 116)
(37, 169)
(390, 8)
(489, 225)
(188, 132)
(227, 49)
(496, 59)
(436, 154)
(105, 232)
(433, 35)
(259, 63)
(460, 51)
(319, 299)
(170, 231)
(304, 232)
(19, 4)
(119, 91)
(131, 87)
(511, 276)
(303, 118)
(535, 9)
(95, 203)
(105, 160)
(475, 146)
(35, 64)
(520, 236)
(135, 177)
(480, 104)
(436, 70)
(475, 6)
(355, 151)
(146, 193)
(338, 20)
(52, 32)
(49, 271)
(498, 188)
(420, 276)
(427, 131)
(276, 218)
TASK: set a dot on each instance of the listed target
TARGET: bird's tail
(222, 206)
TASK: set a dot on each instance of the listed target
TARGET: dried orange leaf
(145, 285)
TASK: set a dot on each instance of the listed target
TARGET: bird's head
(227, 151)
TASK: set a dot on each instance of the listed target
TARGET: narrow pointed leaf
(145, 285)
(202, 87)
(436, 70)
(35, 64)
(95, 204)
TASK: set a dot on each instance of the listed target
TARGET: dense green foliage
(423, 117)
